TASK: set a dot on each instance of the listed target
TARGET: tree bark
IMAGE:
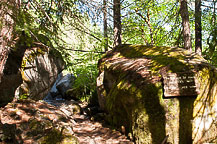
(211, 40)
(185, 24)
(198, 28)
(105, 24)
(6, 31)
(117, 22)
(150, 28)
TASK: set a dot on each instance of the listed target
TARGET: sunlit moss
(136, 101)
(56, 136)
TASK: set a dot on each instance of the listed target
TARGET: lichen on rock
(29, 71)
(39, 70)
(130, 89)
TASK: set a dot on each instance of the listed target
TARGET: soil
(82, 121)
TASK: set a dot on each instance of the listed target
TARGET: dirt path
(90, 132)
(30, 122)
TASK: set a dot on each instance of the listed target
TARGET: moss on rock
(131, 91)
(39, 69)
(56, 136)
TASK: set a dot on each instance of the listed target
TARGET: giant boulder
(65, 83)
(159, 94)
(40, 68)
(29, 73)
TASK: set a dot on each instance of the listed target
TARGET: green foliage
(210, 35)
(38, 19)
(146, 19)
(81, 54)
(23, 96)
(84, 67)
(86, 82)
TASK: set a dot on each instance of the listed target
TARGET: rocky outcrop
(40, 68)
(29, 73)
(159, 94)
(65, 84)
(59, 90)
(54, 93)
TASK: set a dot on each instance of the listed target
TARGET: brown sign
(180, 84)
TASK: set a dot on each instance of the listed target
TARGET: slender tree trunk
(105, 24)
(198, 28)
(150, 28)
(143, 35)
(214, 13)
(185, 24)
(117, 22)
(211, 40)
(148, 22)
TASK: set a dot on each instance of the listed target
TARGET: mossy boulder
(40, 68)
(29, 72)
(131, 90)
(73, 93)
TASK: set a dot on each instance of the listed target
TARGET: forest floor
(83, 126)
(89, 131)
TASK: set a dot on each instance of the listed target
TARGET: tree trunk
(198, 28)
(117, 22)
(6, 31)
(148, 22)
(105, 24)
(150, 28)
(214, 12)
(185, 24)
(211, 40)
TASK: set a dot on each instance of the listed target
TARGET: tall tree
(185, 24)
(117, 22)
(105, 27)
(212, 39)
(198, 28)
(7, 24)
